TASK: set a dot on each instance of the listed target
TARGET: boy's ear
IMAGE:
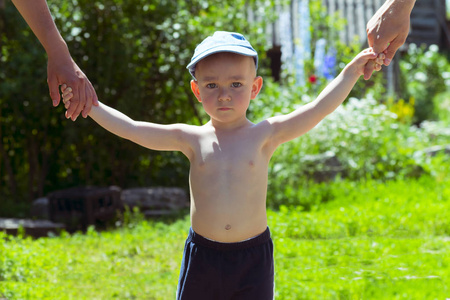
(196, 90)
(256, 87)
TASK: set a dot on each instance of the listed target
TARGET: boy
(229, 253)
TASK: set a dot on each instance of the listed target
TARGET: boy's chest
(230, 152)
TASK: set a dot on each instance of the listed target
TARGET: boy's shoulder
(193, 130)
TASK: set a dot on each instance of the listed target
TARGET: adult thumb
(378, 47)
(391, 50)
(53, 87)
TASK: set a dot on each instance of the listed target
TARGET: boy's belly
(228, 198)
(229, 223)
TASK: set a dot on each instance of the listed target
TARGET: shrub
(424, 75)
(361, 139)
(135, 53)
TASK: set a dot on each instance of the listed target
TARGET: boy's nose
(224, 95)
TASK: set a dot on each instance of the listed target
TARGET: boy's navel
(227, 227)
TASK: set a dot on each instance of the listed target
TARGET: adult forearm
(404, 5)
(37, 15)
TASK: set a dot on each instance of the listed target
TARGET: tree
(135, 53)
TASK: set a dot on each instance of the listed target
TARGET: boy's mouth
(224, 108)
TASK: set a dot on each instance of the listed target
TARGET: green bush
(424, 75)
(135, 53)
(442, 104)
(361, 139)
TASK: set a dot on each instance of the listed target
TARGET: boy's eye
(211, 85)
(236, 84)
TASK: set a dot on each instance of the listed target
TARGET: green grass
(371, 240)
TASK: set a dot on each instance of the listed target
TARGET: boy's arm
(150, 135)
(300, 121)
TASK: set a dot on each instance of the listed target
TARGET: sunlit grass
(371, 240)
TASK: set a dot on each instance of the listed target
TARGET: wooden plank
(34, 228)
(361, 21)
(378, 4)
(341, 9)
(332, 7)
(369, 12)
(350, 21)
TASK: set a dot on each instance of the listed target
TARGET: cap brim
(233, 49)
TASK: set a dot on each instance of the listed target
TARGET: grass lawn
(373, 240)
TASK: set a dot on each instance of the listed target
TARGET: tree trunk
(7, 162)
(33, 160)
(44, 165)
(12, 184)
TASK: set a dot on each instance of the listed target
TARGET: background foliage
(135, 53)
(379, 233)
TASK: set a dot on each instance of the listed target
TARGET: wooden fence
(428, 21)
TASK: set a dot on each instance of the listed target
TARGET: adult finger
(380, 46)
(91, 97)
(370, 37)
(94, 96)
(82, 103)
(376, 42)
(87, 106)
(392, 49)
(374, 39)
(75, 101)
(53, 87)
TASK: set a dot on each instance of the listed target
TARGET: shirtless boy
(229, 253)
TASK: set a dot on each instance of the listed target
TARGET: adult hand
(61, 68)
(388, 28)
(67, 71)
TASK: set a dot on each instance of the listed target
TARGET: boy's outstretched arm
(303, 119)
(150, 135)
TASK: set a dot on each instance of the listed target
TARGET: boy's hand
(67, 94)
(365, 62)
(374, 65)
(66, 70)
(377, 63)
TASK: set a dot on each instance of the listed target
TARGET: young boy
(229, 253)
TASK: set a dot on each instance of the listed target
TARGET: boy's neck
(231, 126)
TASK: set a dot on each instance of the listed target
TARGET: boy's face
(226, 82)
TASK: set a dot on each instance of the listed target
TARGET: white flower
(420, 76)
(434, 48)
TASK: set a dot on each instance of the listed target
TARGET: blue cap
(222, 41)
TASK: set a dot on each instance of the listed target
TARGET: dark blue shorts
(214, 271)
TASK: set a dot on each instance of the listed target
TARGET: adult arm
(61, 68)
(388, 28)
